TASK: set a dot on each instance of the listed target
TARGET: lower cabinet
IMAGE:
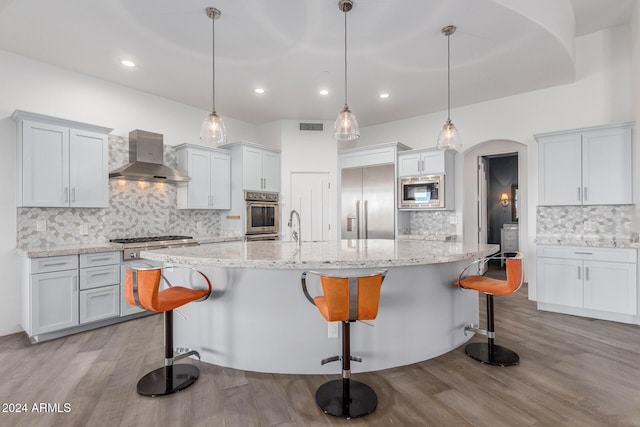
(61, 293)
(594, 282)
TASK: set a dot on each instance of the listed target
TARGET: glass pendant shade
(346, 126)
(213, 130)
(449, 137)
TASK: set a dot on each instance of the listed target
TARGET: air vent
(311, 126)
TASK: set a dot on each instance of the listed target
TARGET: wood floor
(573, 372)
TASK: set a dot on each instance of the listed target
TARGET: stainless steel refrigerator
(368, 203)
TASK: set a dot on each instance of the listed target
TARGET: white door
(482, 205)
(310, 197)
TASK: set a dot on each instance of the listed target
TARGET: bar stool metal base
(500, 355)
(167, 380)
(359, 399)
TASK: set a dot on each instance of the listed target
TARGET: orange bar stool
(346, 299)
(142, 289)
(490, 352)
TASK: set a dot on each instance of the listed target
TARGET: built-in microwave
(421, 192)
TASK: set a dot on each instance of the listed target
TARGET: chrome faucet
(295, 234)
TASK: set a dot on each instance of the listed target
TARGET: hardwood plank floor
(573, 372)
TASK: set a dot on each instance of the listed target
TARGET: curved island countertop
(337, 254)
(257, 318)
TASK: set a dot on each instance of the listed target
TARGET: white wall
(635, 96)
(307, 151)
(30, 85)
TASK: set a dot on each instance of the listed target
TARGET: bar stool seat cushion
(334, 304)
(491, 286)
(157, 300)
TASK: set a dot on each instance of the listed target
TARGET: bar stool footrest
(361, 399)
(500, 355)
(167, 380)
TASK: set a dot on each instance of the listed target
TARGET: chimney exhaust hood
(146, 152)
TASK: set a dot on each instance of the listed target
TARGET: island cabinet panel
(210, 173)
(591, 166)
(61, 163)
(587, 281)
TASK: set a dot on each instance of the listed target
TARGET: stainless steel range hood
(146, 160)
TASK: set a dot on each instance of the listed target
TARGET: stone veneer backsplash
(605, 221)
(135, 209)
(431, 222)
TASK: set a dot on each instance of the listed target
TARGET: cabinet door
(560, 281)
(271, 171)
(559, 170)
(252, 169)
(433, 162)
(409, 164)
(45, 165)
(606, 167)
(220, 181)
(88, 169)
(199, 188)
(54, 299)
(99, 304)
(610, 286)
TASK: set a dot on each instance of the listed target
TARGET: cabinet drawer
(54, 263)
(96, 277)
(510, 247)
(101, 258)
(510, 235)
(100, 303)
(588, 253)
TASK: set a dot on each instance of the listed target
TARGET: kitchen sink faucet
(295, 234)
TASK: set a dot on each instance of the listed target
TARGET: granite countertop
(593, 241)
(94, 247)
(329, 254)
(432, 237)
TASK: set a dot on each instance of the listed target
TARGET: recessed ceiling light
(324, 92)
(384, 95)
(127, 63)
(258, 90)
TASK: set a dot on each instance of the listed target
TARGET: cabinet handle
(583, 253)
(584, 197)
(66, 194)
(586, 273)
(418, 165)
(100, 274)
(579, 193)
(213, 200)
(75, 283)
(73, 194)
(53, 264)
(101, 259)
(579, 277)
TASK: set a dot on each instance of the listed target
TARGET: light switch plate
(453, 219)
(41, 225)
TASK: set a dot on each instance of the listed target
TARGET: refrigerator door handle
(365, 220)
(358, 219)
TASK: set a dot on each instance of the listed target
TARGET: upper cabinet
(61, 163)
(210, 172)
(591, 166)
(425, 162)
(256, 165)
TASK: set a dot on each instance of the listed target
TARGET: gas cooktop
(150, 239)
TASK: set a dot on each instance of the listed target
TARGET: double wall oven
(131, 258)
(263, 213)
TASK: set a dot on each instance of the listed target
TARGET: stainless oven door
(262, 218)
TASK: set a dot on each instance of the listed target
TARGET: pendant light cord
(448, 78)
(345, 58)
(213, 68)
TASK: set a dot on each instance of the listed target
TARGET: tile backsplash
(431, 222)
(596, 221)
(135, 209)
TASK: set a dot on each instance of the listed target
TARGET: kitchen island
(258, 319)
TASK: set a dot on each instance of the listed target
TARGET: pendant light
(346, 126)
(213, 130)
(449, 137)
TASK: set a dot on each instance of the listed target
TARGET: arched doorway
(473, 196)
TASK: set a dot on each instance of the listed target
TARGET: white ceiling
(293, 48)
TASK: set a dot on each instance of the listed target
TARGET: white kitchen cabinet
(49, 294)
(61, 163)
(591, 166)
(210, 172)
(260, 169)
(425, 162)
(99, 304)
(593, 282)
